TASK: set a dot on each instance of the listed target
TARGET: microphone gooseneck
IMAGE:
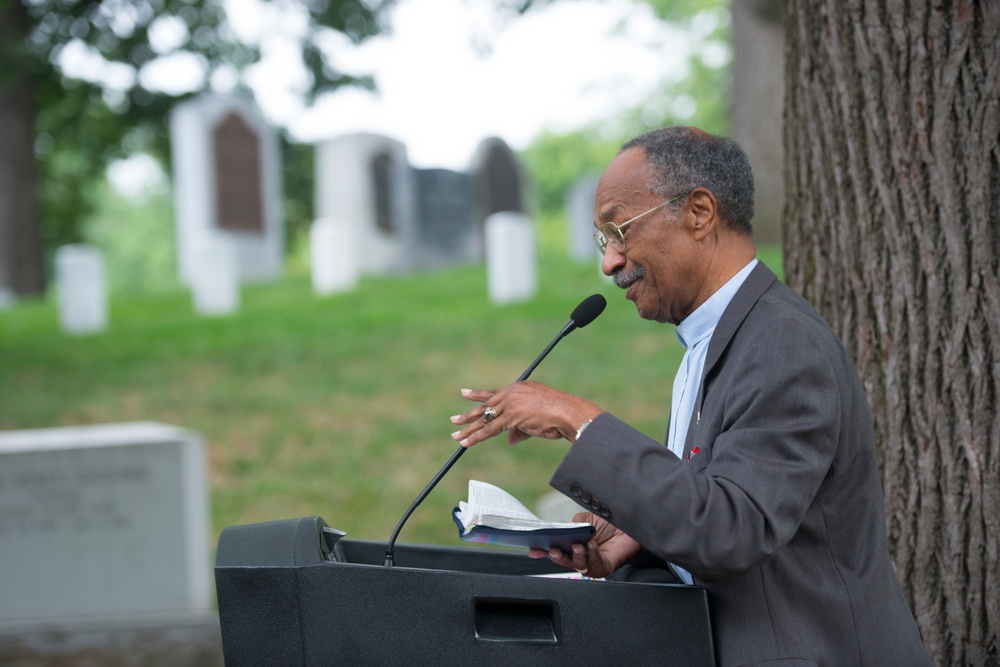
(582, 315)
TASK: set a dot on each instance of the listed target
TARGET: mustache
(623, 278)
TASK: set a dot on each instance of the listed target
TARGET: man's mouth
(625, 279)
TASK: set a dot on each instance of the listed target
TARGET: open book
(493, 516)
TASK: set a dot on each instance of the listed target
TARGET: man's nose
(612, 261)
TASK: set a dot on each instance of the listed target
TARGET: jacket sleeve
(766, 442)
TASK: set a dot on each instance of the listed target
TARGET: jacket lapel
(758, 282)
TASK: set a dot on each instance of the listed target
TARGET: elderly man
(767, 492)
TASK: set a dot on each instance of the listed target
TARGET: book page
(493, 516)
(484, 498)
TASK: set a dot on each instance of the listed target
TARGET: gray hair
(685, 158)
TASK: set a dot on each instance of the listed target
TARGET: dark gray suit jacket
(777, 507)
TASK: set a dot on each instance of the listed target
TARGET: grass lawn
(339, 406)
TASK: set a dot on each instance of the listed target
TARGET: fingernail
(466, 392)
(455, 418)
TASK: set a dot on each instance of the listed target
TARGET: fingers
(580, 560)
(480, 395)
(476, 433)
(524, 409)
(559, 557)
(481, 421)
(480, 411)
(584, 558)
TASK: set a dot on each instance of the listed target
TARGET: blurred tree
(700, 96)
(892, 229)
(76, 91)
(135, 233)
(757, 104)
(556, 161)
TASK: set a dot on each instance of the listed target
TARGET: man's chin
(644, 312)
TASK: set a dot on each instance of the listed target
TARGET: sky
(451, 73)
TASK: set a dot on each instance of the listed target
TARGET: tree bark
(892, 229)
(21, 262)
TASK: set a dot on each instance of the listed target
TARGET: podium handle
(516, 621)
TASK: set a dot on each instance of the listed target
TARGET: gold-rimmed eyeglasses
(610, 234)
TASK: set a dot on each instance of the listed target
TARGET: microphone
(582, 315)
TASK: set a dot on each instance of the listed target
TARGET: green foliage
(78, 136)
(702, 96)
(298, 175)
(700, 99)
(136, 242)
(84, 124)
(557, 161)
(552, 233)
(683, 11)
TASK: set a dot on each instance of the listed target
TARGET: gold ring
(490, 414)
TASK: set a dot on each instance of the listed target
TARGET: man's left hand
(524, 409)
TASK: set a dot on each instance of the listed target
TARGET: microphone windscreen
(588, 310)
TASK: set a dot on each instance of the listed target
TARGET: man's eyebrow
(608, 214)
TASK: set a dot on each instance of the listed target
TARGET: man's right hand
(604, 553)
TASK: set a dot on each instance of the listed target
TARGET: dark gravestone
(498, 179)
(238, 192)
(498, 183)
(381, 172)
(444, 208)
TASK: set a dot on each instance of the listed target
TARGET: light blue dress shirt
(695, 333)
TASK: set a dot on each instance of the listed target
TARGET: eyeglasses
(610, 234)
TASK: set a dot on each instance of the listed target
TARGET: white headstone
(510, 257)
(103, 520)
(580, 214)
(7, 298)
(365, 180)
(82, 289)
(334, 256)
(215, 282)
(227, 183)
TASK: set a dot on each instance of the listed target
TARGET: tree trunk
(892, 229)
(21, 264)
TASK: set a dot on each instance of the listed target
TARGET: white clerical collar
(703, 320)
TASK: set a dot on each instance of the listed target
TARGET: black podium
(292, 593)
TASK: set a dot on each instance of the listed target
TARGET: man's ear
(704, 212)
